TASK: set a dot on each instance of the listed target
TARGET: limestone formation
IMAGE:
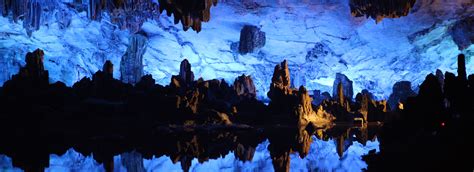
(251, 39)
(400, 93)
(131, 65)
(440, 77)
(462, 67)
(185, 78)
(108, 68)
(146, 82)
(126, 14)
(280, 80)
(463, 32)
(185, 73)
(31, 78)
(346, 86)
(32, 16)
(244, 87)
(34, 65)
(94, 9)
(288, 101)
(378, 10)
(191, 13)
(318, 97)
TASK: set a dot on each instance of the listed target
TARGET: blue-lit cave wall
(374, 56)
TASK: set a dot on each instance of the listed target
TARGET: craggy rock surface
(251, 39)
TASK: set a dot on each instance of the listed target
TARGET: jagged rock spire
(244, 86)
(347, 88)
(340, 93)
(462, 67)
(131, 65)
(185, 73)
(108, 68)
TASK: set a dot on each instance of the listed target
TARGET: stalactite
(127, 14)
(94, 9)
(191, 13)
(379, 10)
(32, 17)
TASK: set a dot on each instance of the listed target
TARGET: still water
(275, 149)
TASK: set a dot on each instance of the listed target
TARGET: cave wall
(318, 38)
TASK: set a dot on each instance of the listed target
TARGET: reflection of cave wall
(322, 156)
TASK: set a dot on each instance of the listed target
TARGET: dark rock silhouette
(440, 77)
(131, 65)
(400, 93)
(462, 68)
(251, 39)
(439, 116)
(105, 86)
(456, 88)
(185, 77)
(346, 86)
(429, 104)
(284, 142)
(146, 83)
(31, 78)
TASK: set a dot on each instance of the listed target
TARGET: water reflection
(272, 149)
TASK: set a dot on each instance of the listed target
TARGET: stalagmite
(131, 65)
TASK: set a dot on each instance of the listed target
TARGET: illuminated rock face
(378, 10)
(127, 14)
(27, 10)
(346, 86)
(244, 86)
(290, 104)
(318, 40)
(131, 65)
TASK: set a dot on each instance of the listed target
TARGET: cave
(236, 85)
